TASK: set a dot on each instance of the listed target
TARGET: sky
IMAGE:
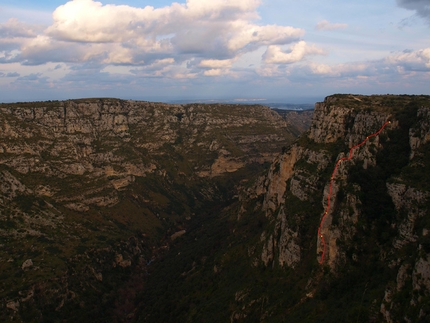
(294, 51)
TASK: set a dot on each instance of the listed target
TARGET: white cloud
(395, 72)
(210, 31)
(14, 33)
(216, 63)
(275, 55)
(13, 28)
(402, 64)
(340, 70)
(411, 60)
(326, 25)
(90, 21)
(322, 69)
(213, 72)
(256, 36)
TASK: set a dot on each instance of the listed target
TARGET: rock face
(299, 121)
(379, 200)
(114, 141)
(93, 190)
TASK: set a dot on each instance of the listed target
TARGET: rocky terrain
(299, 121)
(93, 191)
(262, 261)
(118, 211)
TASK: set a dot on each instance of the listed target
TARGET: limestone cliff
(121, 140)
(379, 200)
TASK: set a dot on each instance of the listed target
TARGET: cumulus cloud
(355, 69)
(213, 72)
(216, 63)
(13, 34)
(326, 25)
(394, 70)
(110, 46)
(411, 60)
(190, 27)
(213, 67)
(275, 55)
(212, 33)
(13, 28)
(421, 7)
(401, 63)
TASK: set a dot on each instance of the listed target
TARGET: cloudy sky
(279, 50)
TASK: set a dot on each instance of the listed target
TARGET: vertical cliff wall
(379, 214)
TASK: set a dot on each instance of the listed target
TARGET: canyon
(130, 211)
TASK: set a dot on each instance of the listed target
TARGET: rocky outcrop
(334, 121)
(11, 186)
(296, 172)
(27, 264)
(420, 134)
(412, 202)
(273, 186)
(413, 272)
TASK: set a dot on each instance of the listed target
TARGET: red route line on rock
(331, 185)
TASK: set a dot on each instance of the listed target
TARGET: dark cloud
(9, 56)
(94, 77)
(31, 77)
(12, 74)
(33, 81)
(8, 45)
(421, 7)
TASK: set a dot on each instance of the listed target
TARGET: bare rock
(177, 234)
(13, 305)
(27, 264)
(421, 274)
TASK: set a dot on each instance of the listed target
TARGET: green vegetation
(379, 103)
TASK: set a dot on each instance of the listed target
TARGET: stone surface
(27, 264)
(300, 176)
